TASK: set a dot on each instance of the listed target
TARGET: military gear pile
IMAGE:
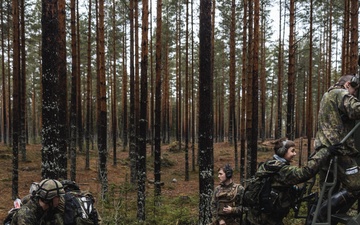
(79, 209)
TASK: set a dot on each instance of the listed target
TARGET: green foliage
(121, 208)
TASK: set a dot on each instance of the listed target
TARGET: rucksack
(258, 193)
(79, 209)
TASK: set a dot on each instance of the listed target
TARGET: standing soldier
(339, 108)
(227, 199)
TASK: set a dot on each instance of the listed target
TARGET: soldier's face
(290, 154)
(55, 202)
(352, 90)
(221, 176)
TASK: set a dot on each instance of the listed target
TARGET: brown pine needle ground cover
(175, 187)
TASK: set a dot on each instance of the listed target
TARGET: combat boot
(340, 202)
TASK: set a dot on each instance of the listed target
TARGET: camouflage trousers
(348, 173)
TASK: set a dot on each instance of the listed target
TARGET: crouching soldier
(41, 207)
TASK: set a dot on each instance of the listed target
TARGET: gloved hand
(334, 149)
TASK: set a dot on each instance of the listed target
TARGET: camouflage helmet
(49, 189)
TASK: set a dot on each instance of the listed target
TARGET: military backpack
(258, 194)
(79, 209)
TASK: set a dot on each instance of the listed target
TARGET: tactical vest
(226, 198)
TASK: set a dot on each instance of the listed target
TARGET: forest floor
(30, 170)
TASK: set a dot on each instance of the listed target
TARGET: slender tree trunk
(22, 94)
(243, 94)
(345, 58)
(141, 159)
(165, 87)
(309, 115)
(232, 118)
(249, 89)
(263, 78)
(179, 78)
(136, 84)
(186, 109)
(124, 96)
(217, 96)
(192, 89)
(79, 117)
(291, 75)
(73, 104)
(158, 99)
(113, 91)
(206, 158)
(132, 149)
(4, 93)
(255, 88)
(88, 130)
(16, 98)
(101, 104)
(354, 52)
(278, 123)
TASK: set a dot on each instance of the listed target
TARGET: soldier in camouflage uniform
(284, 178)
(41, 208)
(227, 199)
(339, 109)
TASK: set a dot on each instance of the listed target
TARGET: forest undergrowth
(179, 199)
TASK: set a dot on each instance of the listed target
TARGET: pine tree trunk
(113, 90)
(141, 158)
(278, 122)
(291, 75)
(132, 149)
(243, 99)
(73, 102)
(89, 119)
(206, 161)
(101, 104)
(186, 109)
(232, 119)
(4, 124)
(50, 87)
(255, 87)
(16, 99)
(22, 93)
(63, 98)
(158, 99)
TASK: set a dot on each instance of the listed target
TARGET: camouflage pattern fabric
(283, 182)
(31, 213)
(227, 195)
(337, 115)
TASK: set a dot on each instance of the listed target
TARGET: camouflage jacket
(337, 115)
(32, 213)
(227, 195)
